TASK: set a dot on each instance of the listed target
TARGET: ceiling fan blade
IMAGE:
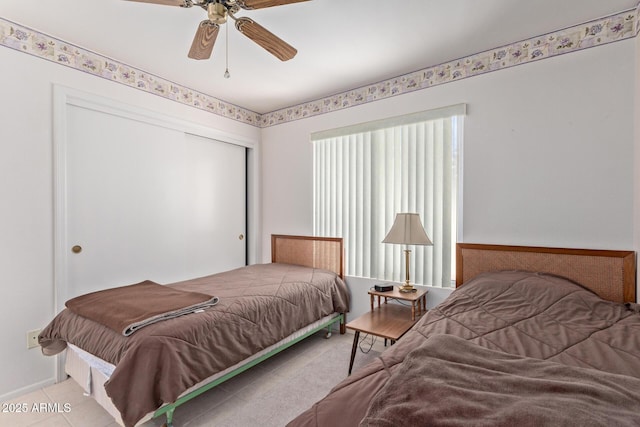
(204, 40)
(260, 4)
(256, 32)
(181, 3)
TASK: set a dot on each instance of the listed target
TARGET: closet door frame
(65, 97)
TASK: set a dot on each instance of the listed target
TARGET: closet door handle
(241, 237)
(76, 249)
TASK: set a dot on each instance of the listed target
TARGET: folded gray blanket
(449, 381)
(129, 308)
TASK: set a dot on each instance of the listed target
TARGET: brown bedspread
(449, 381)
(128, 308)
(259, 305)
(520, 313)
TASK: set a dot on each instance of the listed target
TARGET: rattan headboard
(317, 252)
(610, 274)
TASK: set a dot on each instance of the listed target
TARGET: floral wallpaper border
(613, 28)
(621, 26)
(29, 41)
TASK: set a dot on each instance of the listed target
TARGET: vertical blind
(365, 174)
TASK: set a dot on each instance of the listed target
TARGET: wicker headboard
(317, 252)
(610, 274)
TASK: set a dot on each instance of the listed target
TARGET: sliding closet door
(147, 202)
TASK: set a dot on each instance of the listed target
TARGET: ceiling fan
(218, 11)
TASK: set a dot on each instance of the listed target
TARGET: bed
(261, 310)
(531, 336)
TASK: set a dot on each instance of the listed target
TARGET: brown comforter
(259, 305)
(519, 313)
(451, 381)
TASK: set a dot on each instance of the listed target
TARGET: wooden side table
(389, 321)
(418, 299)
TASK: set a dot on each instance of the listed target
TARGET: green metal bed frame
(169, 409)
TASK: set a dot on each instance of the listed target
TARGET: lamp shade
(407, 229)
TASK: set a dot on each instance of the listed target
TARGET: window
(365, 174)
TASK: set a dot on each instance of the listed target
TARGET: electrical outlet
(32, 338)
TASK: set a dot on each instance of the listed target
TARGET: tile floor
(267, 395)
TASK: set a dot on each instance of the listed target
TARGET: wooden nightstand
(389, 321)
(418, 299)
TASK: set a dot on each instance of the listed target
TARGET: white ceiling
(342, 44)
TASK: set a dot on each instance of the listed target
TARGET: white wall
(547, 153)
(26, 194)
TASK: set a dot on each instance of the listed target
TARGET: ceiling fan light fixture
(217, 13)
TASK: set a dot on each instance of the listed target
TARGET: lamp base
(407, 287)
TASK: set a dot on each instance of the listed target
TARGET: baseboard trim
(27, 389)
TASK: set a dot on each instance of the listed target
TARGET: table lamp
(407, 230)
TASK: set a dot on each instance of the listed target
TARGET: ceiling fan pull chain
(226, 71)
